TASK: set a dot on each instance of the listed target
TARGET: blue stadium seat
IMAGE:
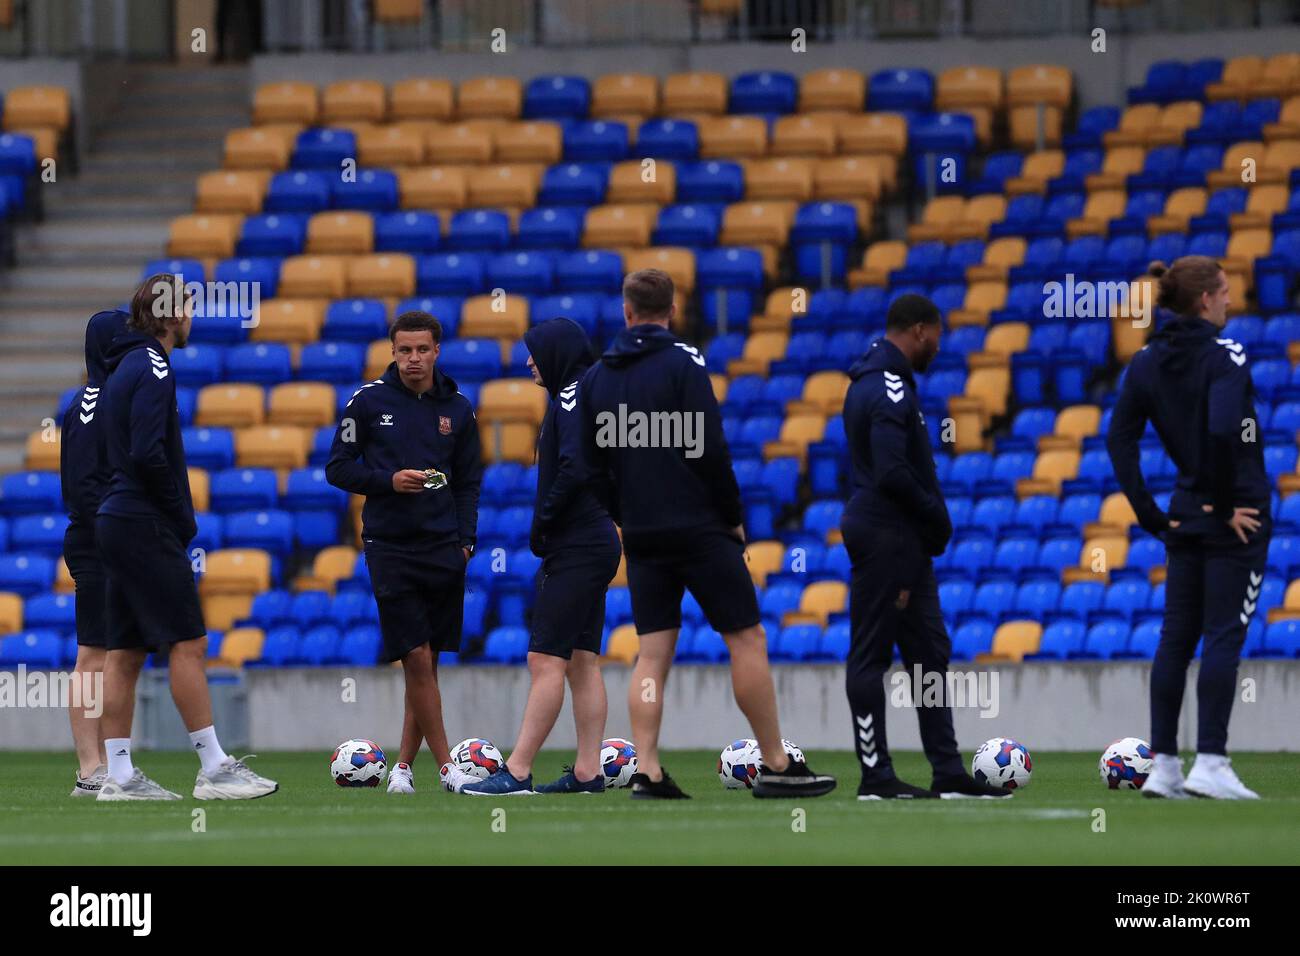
(591, 270)
(272, 235)
(972, 638)
(355, 320)
(407, 231)
(710, 181)
(300, 191)
(596, 141)
(525, 273)
(671, 139)
(243, 489)
(555, 97)
(574, 184)
(450, 274)
(26, 574)
(323, 148)
(900, 91)
(272, 531)
(374, 190)
(1104, 640)
(549, 227)
(763, 92)
(30, 492)
(41, 533)
(506, 645)
(478, 230)
(35, 649)
(261, 363)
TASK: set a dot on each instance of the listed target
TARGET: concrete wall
(1070, 706)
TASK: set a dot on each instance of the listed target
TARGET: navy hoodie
(83, 462)
(650, 490)
(142, 436)
(1194, 386)
(566, 512)
(894, 480)
(386, 428)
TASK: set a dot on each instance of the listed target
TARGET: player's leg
(87, 736)
(645, 697)
(545, 699)
(121, 674)
(590, 710)
(1233, 578)
(751, 683)
(1184, 612)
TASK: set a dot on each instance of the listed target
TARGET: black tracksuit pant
(1212, 588)
(884, 562)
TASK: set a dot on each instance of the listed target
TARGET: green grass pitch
(312, 821)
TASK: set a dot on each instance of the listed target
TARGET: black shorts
(710, 564)
(421, 598)
(569, 613)
(81, 555)
(152, 600)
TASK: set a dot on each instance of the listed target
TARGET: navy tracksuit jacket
(83, 459)
(566, 513)
(894, 521)
(142, 437)
(654, 491)
(386, 428)
(1194, 386)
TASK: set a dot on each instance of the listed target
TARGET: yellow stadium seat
(1000, 256)
(289, 320)
(936, 219)
(763, 558)
(1237, 159)
(232, 191)
(230, 406)
(310, 404)
(628, 183)
(1007, 338)
(759, 351)
(258, 147)
(528, 142)
(732, 137)
(1036, 170)
(1077, 423)
(349, 100)
(880, 259)
(45, 140)
(960, 87)
(1244, 248)
(313, 277)
(382, 275)
(331, 565)
(42, 452)
(490, 97)
(487, 317)
(1262, 204)
(421, 98)
(981, 299)
(847, 178)
(221, 611)
(340, 232)
(1175, 120)
(203, 236)
(1013, 640)
(1097, 558)
(48, 106)
(621, 225)
(980, 213)
(989, 387)
(1134, 125)
(271, 446)
(379, 355)
(867, 133)
(508, 441)
(1241, 75)
(236, 571)
(1288, 122)
(718, 382)
(678, 263)
(752, 223)
(460, 143)
(823, 391)
(514, 185)
(804, 136)
(286, 102)
(1100, 208)
(821, 599)
(1180, 207)
(615, 94)
(784, 178)
(1280, 158)
(11, 613)
(694, 93)
(1280, 76)
(432, 187)
(239, 646)
(63, 583)
(797, 433)
(624, 645)
(1052, 85)
(1051, 468)
(199, 484)
(390, 146)
(513, 400)
(1120, 163)
(1115, 517)
(832, 89)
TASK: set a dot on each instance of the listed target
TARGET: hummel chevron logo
(867, 738)
(1256, 578)
(569, 396)
(1235, 351)
(692, 351)
(893, 387)
(160, 367)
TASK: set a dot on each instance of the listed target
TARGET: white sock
(1211, 761)
(120, 769)
(211, 756)
(1169, 764)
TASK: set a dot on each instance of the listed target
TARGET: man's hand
(465, 551)
(408, 481)
(903, 597)
(1243, 521)
(738, 532)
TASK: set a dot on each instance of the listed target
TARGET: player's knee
(545, 665)
(419, 663)
(191, 650)
(582, 664)
(747, 640)
(90, 660)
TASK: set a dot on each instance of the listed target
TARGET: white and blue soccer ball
(478, 757)
(739, 762)
(358, 763)
(617, 762)
(1126, 763)
(1002, 762)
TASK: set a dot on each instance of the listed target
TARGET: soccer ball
(739, 761)
(477, 757)
(618, 761)
(1126, 764)
(358, 763)
(1001, 762)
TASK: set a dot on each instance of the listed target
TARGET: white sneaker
(139, 787)
(233, 780)
(1166, 779)
(401, 780)
(454, 780)
(1212, 776)
(90, 786)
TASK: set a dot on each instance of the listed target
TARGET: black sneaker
(796, 780)
(966, 787)
(893, 789)
(643, 788)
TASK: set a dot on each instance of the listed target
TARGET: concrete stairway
(101, 226)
